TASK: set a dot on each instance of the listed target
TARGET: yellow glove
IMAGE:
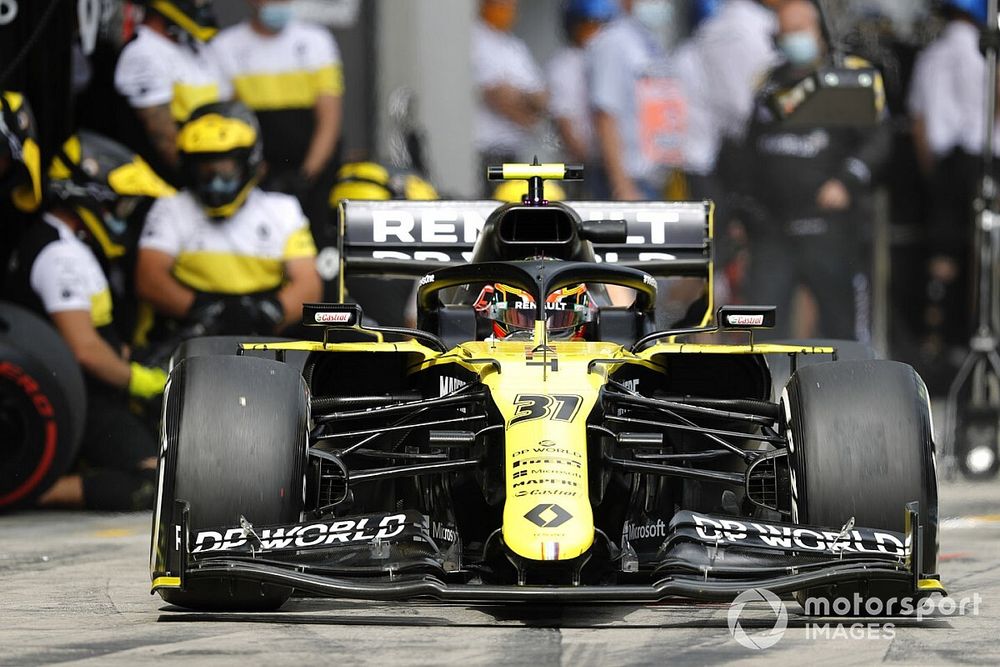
(146, 382)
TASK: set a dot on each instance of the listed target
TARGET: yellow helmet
(101, 181)
(220, 131)
(18, 141)
(372, 181)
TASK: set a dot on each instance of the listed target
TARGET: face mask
(276, 15)
(116, 226)
(218, 191)
(655, 15)
(801, 48)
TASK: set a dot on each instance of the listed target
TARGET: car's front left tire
(234, 436)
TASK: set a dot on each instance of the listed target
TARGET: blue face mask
(221, 185)
(800, 48)
(276, 15)
(656, 15)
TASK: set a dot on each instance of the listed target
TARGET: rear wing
(414, 238)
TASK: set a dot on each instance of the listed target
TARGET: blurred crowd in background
(195, 190)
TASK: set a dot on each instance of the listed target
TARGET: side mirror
(341, 315)
(744, 318)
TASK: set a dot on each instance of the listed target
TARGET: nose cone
(547, 515)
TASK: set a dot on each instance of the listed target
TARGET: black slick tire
(861, 445)
(235, 446)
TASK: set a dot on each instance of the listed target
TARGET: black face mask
(219, 190)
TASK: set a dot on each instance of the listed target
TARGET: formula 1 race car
(538, 436)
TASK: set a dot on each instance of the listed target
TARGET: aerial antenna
(832, 39)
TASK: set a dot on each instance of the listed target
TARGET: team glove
(237, 314)
(146, 382)
(264, 310)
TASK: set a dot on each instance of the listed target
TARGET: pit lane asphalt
(74, 588)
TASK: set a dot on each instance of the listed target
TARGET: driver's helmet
(512, 310)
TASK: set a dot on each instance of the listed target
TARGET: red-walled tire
(42, 406)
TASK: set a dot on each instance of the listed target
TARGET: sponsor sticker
(548, 515)
(334, 318)
(302, 536)
(745, 320)
(794, 538)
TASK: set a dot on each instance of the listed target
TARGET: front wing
(405, 555)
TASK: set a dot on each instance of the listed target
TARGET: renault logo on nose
(548, 515)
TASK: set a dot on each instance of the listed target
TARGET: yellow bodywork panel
(931, 586)
(760, 348)
(545, 390)
(165, 582)
(545, 394)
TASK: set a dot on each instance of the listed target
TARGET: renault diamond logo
(548, 516)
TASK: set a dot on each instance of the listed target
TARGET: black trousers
(833, 265)
(115, 444)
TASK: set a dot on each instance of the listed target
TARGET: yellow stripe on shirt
(300, 244)
(329, 80)
(101, 309)
(188, 97)
(296, 89)
(227, 273)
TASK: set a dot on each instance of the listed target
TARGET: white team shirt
(723, 66)
(241, 254)
(286, 70)
(67, 277)
(568, 98)
(153, 70)
(617, 59)
(948, 91)
(501, 58)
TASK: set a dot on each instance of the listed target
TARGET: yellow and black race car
(539, 436)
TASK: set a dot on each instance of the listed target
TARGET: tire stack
(42, 406)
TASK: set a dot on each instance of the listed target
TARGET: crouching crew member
(223, 256)
(60, 270)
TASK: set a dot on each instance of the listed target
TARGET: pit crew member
(813, 182)
(289, 72)
(60, 270)
(223, 254)
(166, 72)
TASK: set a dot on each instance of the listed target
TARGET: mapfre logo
(333, 318)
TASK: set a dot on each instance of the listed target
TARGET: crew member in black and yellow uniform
(289, 73)
(813, 183)
(58, 270)
(166, 72)
(223, 256)
(20, 172)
